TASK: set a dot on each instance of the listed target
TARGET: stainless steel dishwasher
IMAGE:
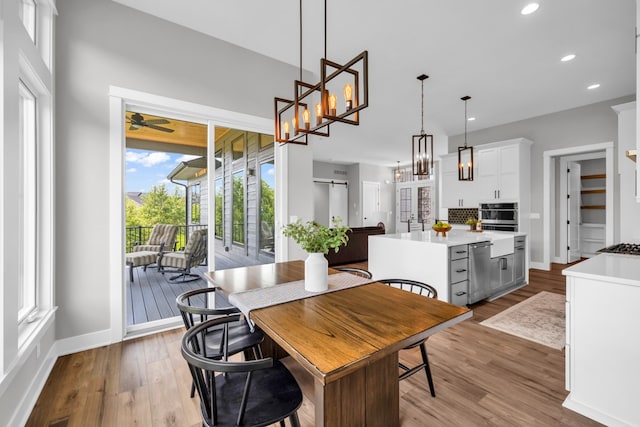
(479, 271)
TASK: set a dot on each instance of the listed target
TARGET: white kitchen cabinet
(455, 193)
(602, 350)
(498, 173)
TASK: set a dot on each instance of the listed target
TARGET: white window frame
(28, 202)
(40, 181)
(28, 11)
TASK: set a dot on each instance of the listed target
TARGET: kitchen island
(450, 263)
(602, 353)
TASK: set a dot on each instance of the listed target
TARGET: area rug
(539, 318)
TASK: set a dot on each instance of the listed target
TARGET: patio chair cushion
(194, 253)
(136, 259)
(160, 234)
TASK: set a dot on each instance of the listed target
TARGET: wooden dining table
(348, 340)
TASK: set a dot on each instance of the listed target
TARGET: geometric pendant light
(422, 144)
(314, 106)
(465, 154)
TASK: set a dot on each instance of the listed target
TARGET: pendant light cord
(325, 29)
(422, 111)
(300, 40)
(465, 123)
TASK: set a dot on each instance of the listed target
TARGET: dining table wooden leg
(367, 397)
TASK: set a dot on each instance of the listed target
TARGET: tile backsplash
(460, 216)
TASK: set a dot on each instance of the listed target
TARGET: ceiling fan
(137, 121)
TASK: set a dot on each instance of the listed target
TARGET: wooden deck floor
(152, 296)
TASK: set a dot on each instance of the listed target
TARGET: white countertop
(624, 269)
(454, 236)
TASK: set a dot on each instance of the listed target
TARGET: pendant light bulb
(306, 118)
(285, 125)
(348, 94)
(333, 100)
(319, 113)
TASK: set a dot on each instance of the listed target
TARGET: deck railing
(140, 234)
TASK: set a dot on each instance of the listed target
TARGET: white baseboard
(83, 342)
(22, 413)
(540, 266)
(596, 414)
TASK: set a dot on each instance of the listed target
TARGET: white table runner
(278, 294)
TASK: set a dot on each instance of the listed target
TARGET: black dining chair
(245, 393)
(426, 291)
(357, 271)
(198, 306)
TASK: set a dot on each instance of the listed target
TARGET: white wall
(101, 43)
(595, 123)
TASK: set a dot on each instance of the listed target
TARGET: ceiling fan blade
(157, 122)
(159, 128)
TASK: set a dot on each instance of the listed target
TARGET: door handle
(503, 263)
(459, 294)
(461, 252)
(461, 270)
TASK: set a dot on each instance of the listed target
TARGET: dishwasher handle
(481, 245)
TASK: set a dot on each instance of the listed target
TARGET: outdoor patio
(152, 296)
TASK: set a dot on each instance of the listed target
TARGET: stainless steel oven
(499, 216)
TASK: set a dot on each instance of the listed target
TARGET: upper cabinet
(499, 173)
(502, 174)
(456, 194)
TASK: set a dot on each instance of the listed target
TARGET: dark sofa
(357, 249)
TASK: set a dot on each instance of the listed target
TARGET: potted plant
(472, 222)
(316, 240)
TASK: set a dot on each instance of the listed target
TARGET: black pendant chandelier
(465, 154)
(422, 145)
(350, 78)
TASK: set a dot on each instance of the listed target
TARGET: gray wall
(591, 124)
(101, 43)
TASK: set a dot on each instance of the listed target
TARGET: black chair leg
(295, 421)
(427, 369)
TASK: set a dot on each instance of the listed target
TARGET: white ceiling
(508, 63)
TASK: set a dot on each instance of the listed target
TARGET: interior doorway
(330, 201)
(555, 232)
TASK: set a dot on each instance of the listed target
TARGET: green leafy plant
(472, 221)
(313, 237)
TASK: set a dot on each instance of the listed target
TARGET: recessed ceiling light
(593, 86)
(470, 119)
(567, 58)
(530, 8)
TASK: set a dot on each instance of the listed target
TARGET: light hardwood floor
(482, 377)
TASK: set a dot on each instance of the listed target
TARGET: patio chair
(195, 252)
(162, 237)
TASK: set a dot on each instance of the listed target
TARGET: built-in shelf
(593, 191)
(593, 207)
(595, 176)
